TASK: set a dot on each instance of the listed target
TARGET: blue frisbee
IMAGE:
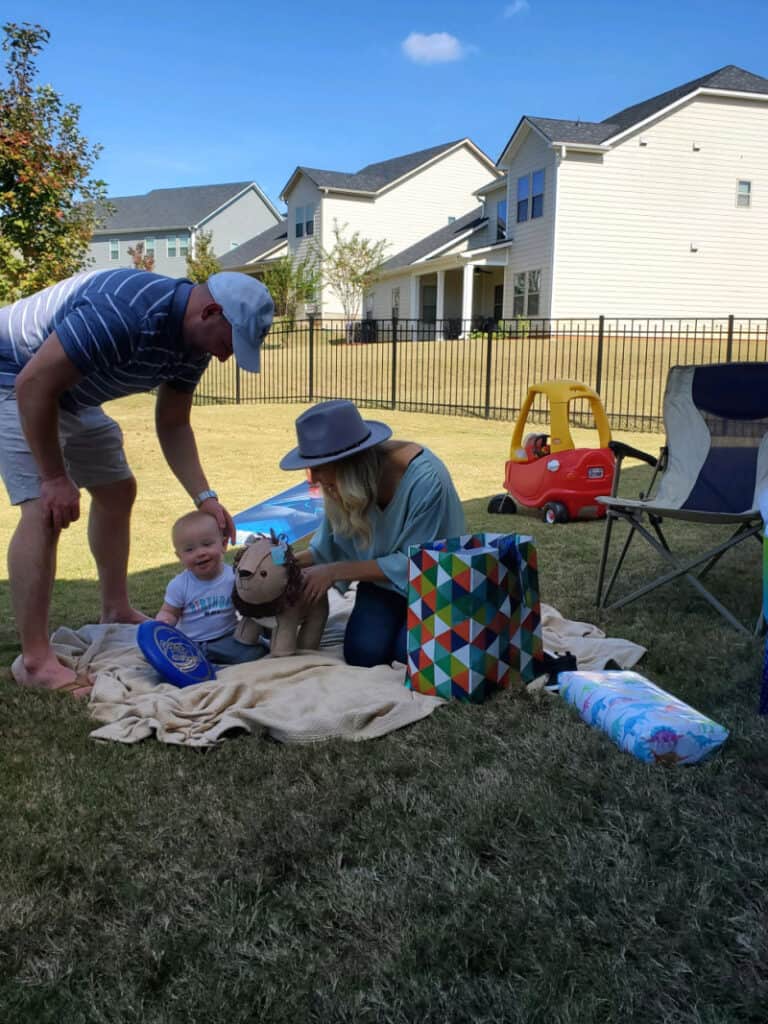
(173, 655)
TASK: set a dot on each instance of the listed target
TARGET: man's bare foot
(127, 616)
(51, 675)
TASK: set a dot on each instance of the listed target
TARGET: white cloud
(516, 7)
(435, 48)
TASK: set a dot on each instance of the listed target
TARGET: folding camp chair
(711, 470)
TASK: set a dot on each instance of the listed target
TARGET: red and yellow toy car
(547, 471)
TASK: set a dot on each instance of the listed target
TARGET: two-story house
(400, 200)
(656, 211)
(659, 210)
(453, 274)
(168, 221)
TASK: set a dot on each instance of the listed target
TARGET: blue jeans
(228, 651)
(376, 631)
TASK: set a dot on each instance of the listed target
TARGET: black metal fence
(483, 368)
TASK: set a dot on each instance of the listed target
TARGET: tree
(351, 268)
(140, 259)
(203, 263)
(49, 204)
(291, 281)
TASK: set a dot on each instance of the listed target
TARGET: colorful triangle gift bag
(474, 615)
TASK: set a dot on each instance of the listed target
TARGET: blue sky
(186, 93)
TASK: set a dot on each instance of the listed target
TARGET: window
(396, 302)
(526, 293)
(149, 247)
(537, 194)
(530, 196)
(523, 189)
(498, 302)
(114, 248)
(534, 291)
(429, 303)
(177, 245)
(744, 193)
(518, 307)
(305, 220)
(501, 219)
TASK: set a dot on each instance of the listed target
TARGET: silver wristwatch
(204, 496)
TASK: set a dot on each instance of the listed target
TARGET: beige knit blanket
(301, 699)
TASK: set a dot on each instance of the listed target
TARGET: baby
(199, 600)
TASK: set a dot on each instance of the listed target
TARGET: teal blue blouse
(424, 507)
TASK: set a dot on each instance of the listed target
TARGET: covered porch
(460, 299)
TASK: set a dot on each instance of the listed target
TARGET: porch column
(415, 312)
(467, 294)
(440, 315)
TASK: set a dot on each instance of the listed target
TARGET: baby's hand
(169, 615)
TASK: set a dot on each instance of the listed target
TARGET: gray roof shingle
(729, 78)
(559, 130)
(169, 207)
(254, 248)
(443, 236)
(374, 177)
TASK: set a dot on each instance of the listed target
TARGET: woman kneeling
(381, 495)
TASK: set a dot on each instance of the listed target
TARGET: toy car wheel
(502, 503)
(555, 512)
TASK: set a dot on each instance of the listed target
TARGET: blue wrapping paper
(641, 718)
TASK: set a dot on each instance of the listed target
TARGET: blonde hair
(189, 519)
(357, 487)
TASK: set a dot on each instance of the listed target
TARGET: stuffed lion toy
(268, 592)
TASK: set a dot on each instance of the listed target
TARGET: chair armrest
(623, 451)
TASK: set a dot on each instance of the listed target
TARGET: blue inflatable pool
(297, 513)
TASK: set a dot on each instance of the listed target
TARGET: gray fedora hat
(330, 431)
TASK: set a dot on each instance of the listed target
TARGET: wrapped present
(474, 618)
(763, 709)
(640, 717)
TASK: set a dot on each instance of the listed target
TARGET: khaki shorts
(91, 442)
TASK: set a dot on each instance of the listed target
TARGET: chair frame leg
(602, 598)
(659, 544)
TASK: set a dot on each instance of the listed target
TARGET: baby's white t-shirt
(207, 609)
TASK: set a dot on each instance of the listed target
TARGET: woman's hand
(318, 579)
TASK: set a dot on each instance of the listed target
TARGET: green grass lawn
(498, 863)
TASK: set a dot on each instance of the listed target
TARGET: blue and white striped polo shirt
(121, 328)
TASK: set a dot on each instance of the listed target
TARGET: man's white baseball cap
(249, 308)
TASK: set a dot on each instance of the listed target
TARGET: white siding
(627, 222)
(173, 266)
(488, 234)
(532, 248)
(382, 297)
(305, 192)
(238, 221)
(406, 213)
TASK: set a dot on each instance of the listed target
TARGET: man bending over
(94, 337)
